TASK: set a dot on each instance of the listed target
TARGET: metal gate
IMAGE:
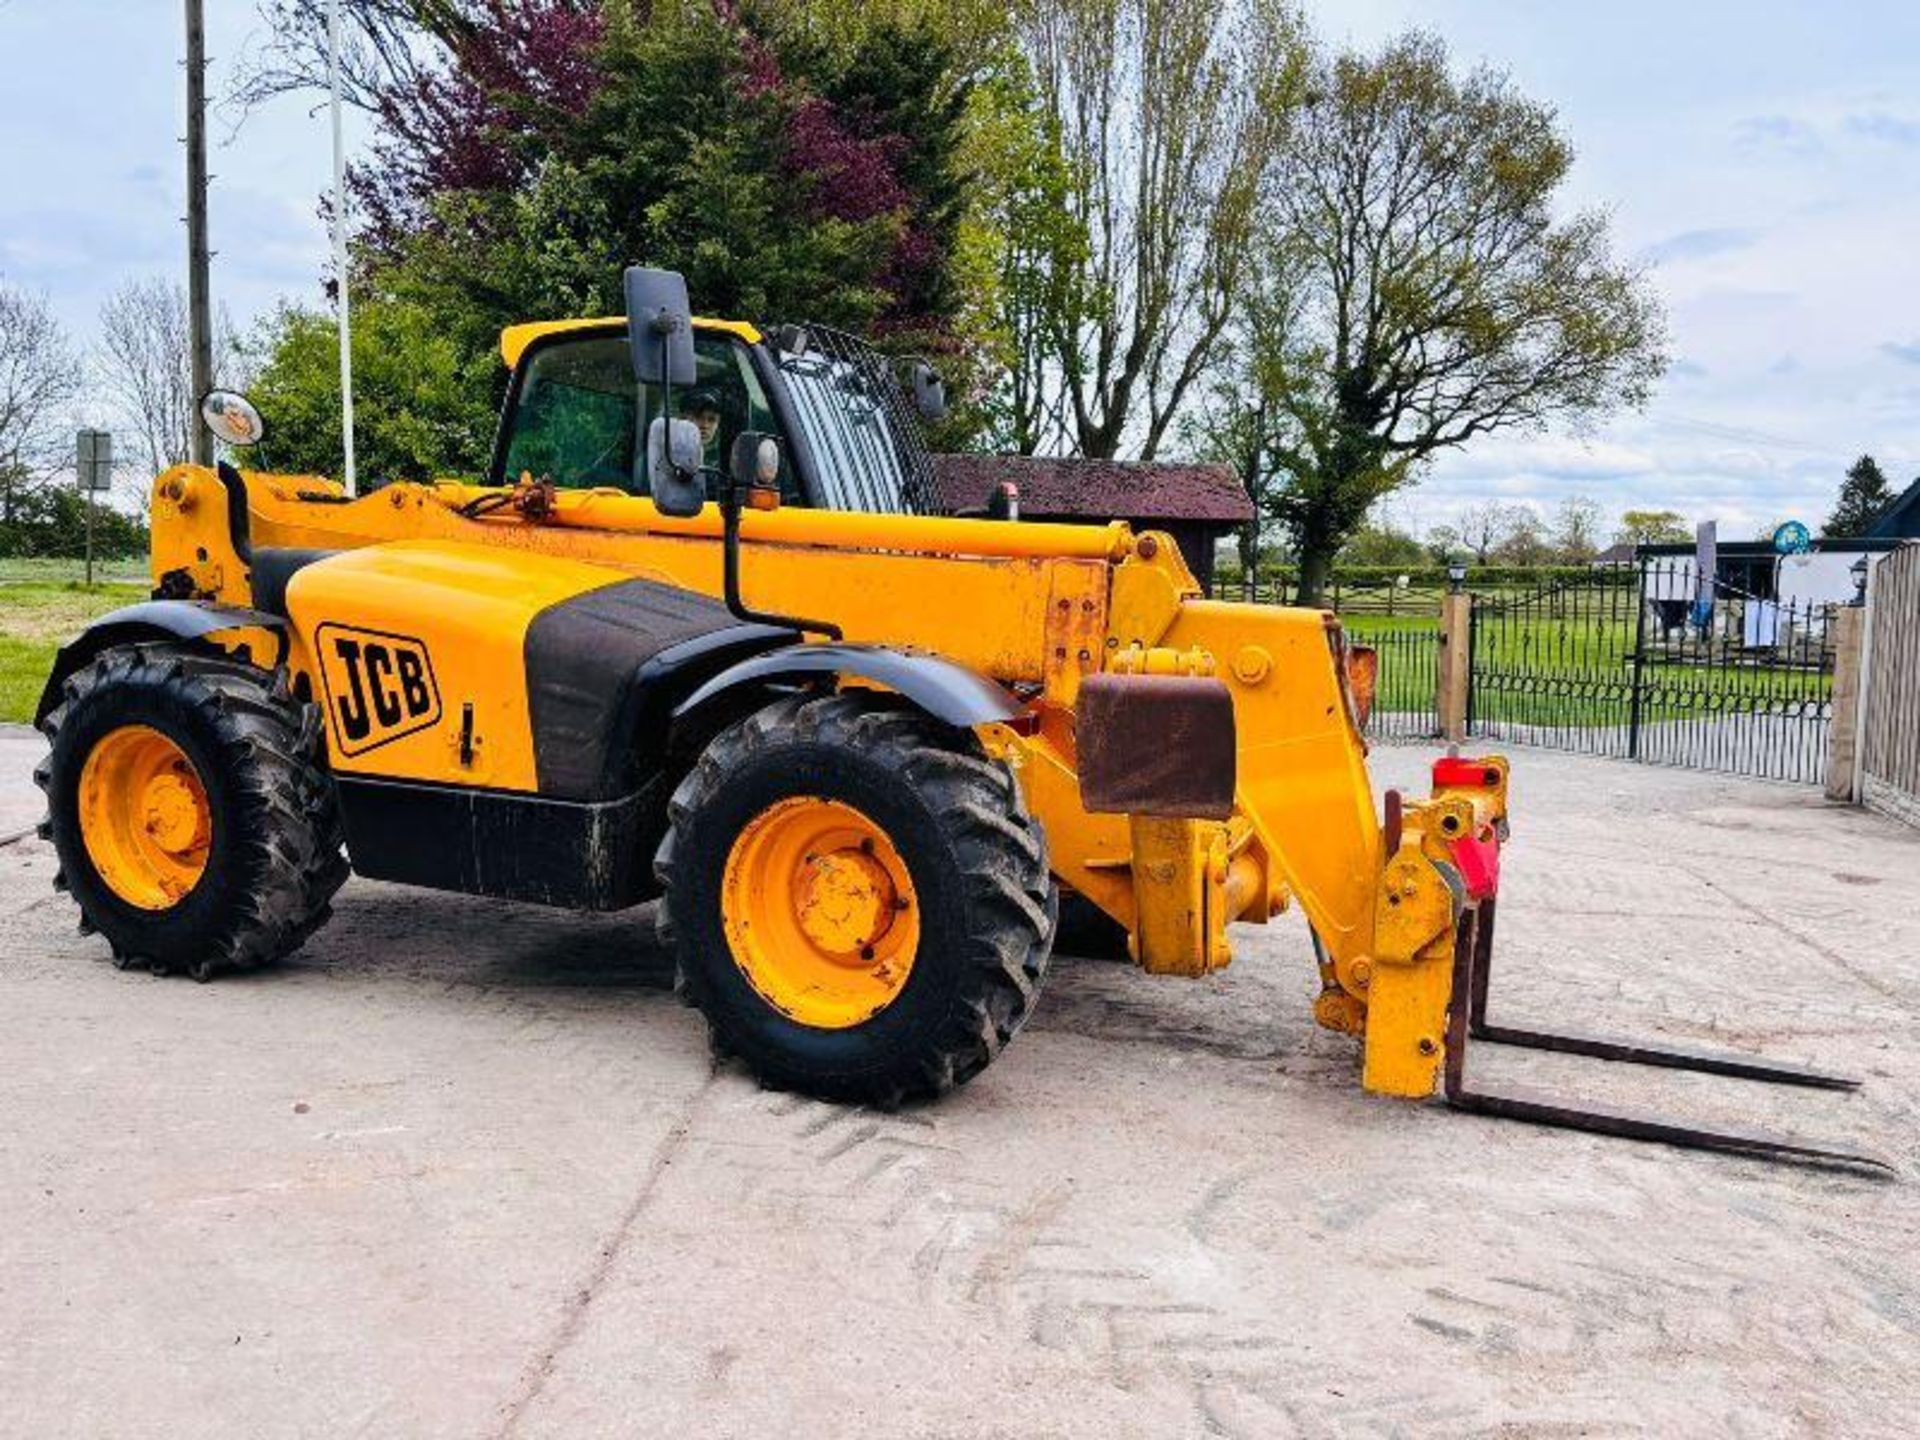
(1404, 706)
(1650, 663)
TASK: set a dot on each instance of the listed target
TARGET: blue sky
(1763, 158)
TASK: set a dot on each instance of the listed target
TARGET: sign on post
(94, 466)
(96, 460)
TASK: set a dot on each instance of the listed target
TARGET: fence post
(1843, 729)
(1453, 673)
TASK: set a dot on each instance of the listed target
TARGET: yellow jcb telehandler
(695, 638)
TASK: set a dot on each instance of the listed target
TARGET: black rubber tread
(978, 859)
(278, 852)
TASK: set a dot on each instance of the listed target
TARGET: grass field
(43, 603)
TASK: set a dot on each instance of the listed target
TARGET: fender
(192, 620)
(943, 689)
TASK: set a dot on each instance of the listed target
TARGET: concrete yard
(466, 1169)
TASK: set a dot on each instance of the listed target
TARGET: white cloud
(1765, 159)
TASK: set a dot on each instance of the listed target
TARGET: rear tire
(982, 901)
(251, 754)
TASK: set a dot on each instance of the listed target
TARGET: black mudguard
(148, 621)
(945, 690)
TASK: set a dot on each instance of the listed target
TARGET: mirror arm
(730, 569)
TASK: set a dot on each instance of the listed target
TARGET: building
(1198, 505)
(1902, 520)
(1824, 575)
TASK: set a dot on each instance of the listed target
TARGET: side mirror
(232, 418)
(659, 326)
(673, 467)
(754, 462)
(929, 392)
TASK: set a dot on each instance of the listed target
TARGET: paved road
(466, 1169)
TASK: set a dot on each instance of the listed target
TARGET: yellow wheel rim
(144, 817)
(820, 912)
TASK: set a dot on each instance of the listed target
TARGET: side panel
(590, 856)
(416, 650)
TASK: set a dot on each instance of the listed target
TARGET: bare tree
(1439, 292)
(1526, 541)
(1169, 115)
(1576, 529)
(1485, 528)
(144, 363)
(386, 44)
(39, 376)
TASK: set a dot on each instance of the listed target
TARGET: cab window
(579, 415)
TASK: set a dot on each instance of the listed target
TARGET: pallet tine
(1632, 1052)
(1472, 949)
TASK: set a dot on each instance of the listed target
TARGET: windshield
(573, 416)
(849, 406)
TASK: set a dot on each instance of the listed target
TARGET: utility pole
(340, 241)
(199, 305)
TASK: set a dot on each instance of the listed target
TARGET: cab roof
(515, 339)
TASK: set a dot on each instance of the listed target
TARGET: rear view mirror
(232, 418)
(754, 463)
(659, 326)
(929, 392)
(673, 467)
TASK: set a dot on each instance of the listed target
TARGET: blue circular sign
(1792, 538)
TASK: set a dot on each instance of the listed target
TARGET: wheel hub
(845, 901)
(819, 912)
(144, 817)
(175, 817)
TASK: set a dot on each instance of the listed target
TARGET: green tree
(793, 163)
(421, 398)
(1865, 496)
(1444, 544)
(51, 522)
(1436, 293)
(1652, 527)
(1382, 545)
(1016, 240)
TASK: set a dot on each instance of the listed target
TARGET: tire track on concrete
(573, 1314)
(1887, 990)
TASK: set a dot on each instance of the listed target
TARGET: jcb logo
(379, 686)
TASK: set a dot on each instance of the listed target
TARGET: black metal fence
(1660, 664)
(1404, 694)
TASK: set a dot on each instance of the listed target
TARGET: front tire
(189, 803)
(859, 900)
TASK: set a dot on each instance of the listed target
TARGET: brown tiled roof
(1095, 489)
